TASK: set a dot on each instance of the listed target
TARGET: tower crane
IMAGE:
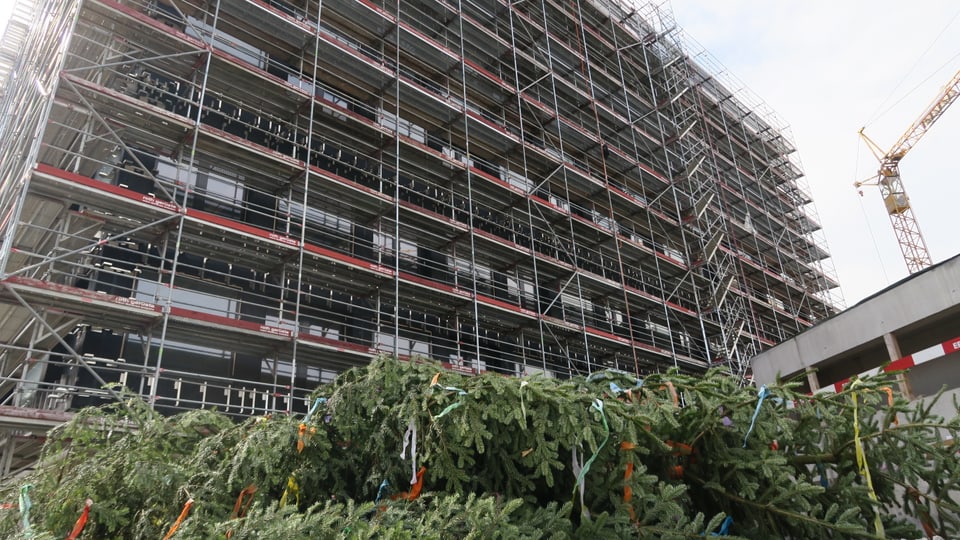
(912, 244)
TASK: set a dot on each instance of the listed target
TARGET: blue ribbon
(384, 486)
(724, 527)
(316, 405)
(762, 394)
(824, 481)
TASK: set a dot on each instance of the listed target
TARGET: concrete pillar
(893, 353)
(813, 381)
(893, 346)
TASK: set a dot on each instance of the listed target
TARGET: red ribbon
(81, 521)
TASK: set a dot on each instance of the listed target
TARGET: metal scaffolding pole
(263, 194)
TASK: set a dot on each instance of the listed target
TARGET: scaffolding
(223, 203)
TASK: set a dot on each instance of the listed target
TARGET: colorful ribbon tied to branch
(434, 384)
(382, 490)
(761, 395)
(724, 527)
(683, 454)
(824, 481)
(926, 520)
(627, 474)
(415, 488)
(81, 521)
(316, 405)
(616, 389)
(862, 458)
(25, 505)
(598, 406)
(673, 393)
(291, 491)
(889, 391)
(523, 408)
(410, 439)
(183, 515)
(576, 463)
(244, 500)
(303, 433)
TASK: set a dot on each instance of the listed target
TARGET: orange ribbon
(183, 516)
(889, 391)
(679, 448)
(673, 392)
(415, 490)
(240, 507)
(303, 435)
(627, 490)
(683, 453)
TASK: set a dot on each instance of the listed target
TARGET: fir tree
(607, 456)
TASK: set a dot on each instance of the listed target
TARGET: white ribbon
(410, 439)
(577, 467)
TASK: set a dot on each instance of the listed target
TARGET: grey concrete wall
(921, 296)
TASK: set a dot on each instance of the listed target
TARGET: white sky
(828, 68)
(6, 7)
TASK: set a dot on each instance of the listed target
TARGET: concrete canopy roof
(919, 311)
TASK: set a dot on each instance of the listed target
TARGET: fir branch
(782, 512)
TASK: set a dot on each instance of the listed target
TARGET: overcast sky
(6, 7)
(830, 67)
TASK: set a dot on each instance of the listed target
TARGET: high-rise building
(225, 202)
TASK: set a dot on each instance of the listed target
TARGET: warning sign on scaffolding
(458, 365)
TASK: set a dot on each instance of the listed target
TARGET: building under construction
(225, 202)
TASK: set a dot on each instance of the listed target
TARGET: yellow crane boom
(905, 226)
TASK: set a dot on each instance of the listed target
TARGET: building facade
(225, 202)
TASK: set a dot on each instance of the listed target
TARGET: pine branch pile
(405, 450)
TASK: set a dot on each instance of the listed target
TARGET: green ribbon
(598, 405)
(449, 408)
(25, 505)
(459, 391)
(452, 406)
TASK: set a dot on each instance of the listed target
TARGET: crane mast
(905, 226)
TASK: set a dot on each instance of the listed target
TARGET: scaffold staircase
(713, 270)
